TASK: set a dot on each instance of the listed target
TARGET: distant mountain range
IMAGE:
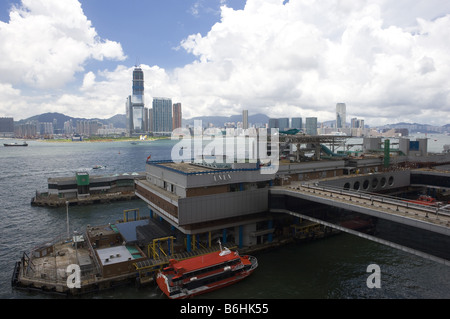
(119, 121)
(417, 127)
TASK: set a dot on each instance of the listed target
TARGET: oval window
(391, 181)
(374, 183)
(366, 184)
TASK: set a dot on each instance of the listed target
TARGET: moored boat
(201, 274)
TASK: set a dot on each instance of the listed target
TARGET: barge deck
(47, 268)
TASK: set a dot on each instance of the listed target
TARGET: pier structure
(129, 251)
(207, 203)
(235, 202)
(208, 199)
(193, 205)
(85, 189)
(411, 226)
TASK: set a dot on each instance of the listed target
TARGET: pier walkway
(431, 218)
(421, 221)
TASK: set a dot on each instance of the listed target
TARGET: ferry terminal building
(209, 202)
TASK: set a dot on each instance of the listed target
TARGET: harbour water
(335, 267)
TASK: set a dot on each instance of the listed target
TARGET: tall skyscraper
(162, 115)
(135, 104)
(146, 126)
(177, 115)
(129, 114)
(6, 125)
(357, 123)
(245, 119)
(150, 120)
(311, 125)
(296, 123)
(273, 123)
(283, 123)
(340, 115)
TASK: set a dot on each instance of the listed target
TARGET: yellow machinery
(155, 250)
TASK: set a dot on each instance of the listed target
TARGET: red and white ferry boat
(201, 274)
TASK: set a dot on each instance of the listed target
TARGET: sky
(389, 61)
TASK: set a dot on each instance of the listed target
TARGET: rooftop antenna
(137, 62)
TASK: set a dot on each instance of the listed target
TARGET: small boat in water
(201, 274)
(16, 144)
(98, 166)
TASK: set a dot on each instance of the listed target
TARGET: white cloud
(388, 62)
(306, 56)
(46, 42)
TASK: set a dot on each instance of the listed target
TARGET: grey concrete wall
(157, 175)
(310, 166)
(212, 207)
(371, 182)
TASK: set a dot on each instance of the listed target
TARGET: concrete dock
(86, 189)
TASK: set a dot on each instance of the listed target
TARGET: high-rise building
(357, 123)
(138, 86)
(283, 123)
(46, 128)
(146, 126)
(162, 115)
(68, 127)
(88, 127)
(177, 116)
(28, 130)
(296, 122)
(135, 104)
(311, 125)
(340, 115)
(150, 120)
(245, 119)
(6, 125)
(129, 115)
(273, 123)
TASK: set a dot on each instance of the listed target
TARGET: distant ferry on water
(15, 144)
(201, 274)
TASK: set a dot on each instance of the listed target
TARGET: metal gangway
(431, 219)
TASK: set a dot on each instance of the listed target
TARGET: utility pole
(67, 219)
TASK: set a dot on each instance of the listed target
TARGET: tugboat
(15, 144)
(197, 275)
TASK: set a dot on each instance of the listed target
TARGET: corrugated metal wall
(219, 206)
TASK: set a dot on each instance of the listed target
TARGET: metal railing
(374, 197)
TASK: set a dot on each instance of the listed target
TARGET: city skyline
(388, 64)
(49, 125)
(137, 116)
